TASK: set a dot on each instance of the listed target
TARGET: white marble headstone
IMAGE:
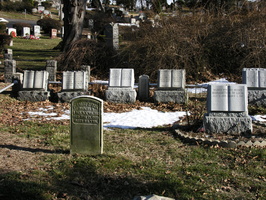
(227, 98)
(25, 31)
(115, 77)
(164, 78)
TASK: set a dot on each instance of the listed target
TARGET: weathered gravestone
(75, 83)
(255, 79)
(35, 86)
(121, 86)
(227, 109)
(86, 125)
(171, 86)
(9, 70)
(143, 88)
(51, 68)
(112, 35)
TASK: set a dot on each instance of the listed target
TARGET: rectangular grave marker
(86, 125)
(68, 80)
(115, 77)
(164, 78)
(25, 31)
(127, 78)
(227, 98)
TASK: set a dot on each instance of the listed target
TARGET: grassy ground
(36, 164)
(32, 54)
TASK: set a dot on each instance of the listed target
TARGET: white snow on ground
(143, 118)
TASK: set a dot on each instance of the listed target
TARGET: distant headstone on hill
(86, 125)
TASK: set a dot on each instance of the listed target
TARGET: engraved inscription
(85, 113)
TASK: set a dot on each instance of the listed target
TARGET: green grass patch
(33, 54)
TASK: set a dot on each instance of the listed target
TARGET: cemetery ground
(36, 163)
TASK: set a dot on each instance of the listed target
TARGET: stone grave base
(257, 97)
(68, 95)
(231, 123)
(175, 96)
(121, 95)
(33, 96)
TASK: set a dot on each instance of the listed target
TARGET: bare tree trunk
(74, 12)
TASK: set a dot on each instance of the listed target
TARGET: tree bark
(74, 12)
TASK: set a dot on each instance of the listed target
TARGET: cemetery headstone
(75, 83)
(255, 79)
(12, 31)
(87, 69)
(112, 35)
(171, 86)
(86, 125)
(227, 109)
(53, 33)
(25, 31)
(143, 88)
(9, 70)
(51, 68)
(35, 86)
(121, 86)
(37, 30)
(41, 9)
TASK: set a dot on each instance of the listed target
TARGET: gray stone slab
(33, 96)
(175, 96)
(51, 68)
(9, 70)
(121, 95)
(143, 88)
(257, 96)
(250, 77)
(234, 125)
(86, 125)
(66, 96)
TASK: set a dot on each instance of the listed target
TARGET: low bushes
(48, 23)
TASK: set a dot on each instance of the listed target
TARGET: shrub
(48, 23)
(16, 6)
(19, 27)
